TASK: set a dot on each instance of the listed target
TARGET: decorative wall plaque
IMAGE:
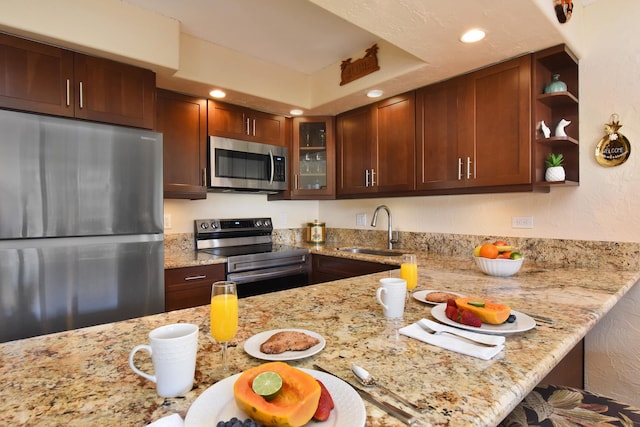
(614, 148)
(360, 67)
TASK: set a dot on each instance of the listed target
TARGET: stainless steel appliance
(246, 166)
(81, 237)
(254, 262)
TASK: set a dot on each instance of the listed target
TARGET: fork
(453, 334)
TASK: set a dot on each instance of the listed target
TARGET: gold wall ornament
(360, 67)
(614, 148)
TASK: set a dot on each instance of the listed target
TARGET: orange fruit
(489, 250)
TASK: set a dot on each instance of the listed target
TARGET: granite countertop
(82, 377)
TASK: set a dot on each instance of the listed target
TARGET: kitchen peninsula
(82, 377)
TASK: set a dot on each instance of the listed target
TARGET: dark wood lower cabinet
(570, 370)
(190, 286)
(327, 268)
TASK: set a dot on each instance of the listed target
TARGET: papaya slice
(293, 406)
(487, 311)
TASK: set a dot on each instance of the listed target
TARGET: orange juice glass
(409, 271)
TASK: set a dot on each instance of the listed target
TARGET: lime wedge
(476, 303)
(267, 384)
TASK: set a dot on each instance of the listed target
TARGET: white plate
(218, 404)
(421, 295)
(252, 346)
(522, 323)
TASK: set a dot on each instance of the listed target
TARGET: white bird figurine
(560, 128)
(545, 129)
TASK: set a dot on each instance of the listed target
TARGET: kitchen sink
(365, 251)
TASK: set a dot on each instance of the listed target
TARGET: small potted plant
(555, 170)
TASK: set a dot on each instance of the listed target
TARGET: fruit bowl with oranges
(498, 258)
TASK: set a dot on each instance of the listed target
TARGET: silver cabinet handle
(204, 177)
(68, 92)
(459, 168)
(81, 96)
(247, 127)
(373, 180)
(195, 277)
(366, 178)
(254, 127)
(468, 167)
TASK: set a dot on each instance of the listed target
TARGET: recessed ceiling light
(375, 93)
(296, 112)
(472, 36)
(217, 93)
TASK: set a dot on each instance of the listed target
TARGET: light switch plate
(521, 222)
(167, 221)
(361, 219)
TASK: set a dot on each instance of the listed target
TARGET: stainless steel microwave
(237, 165)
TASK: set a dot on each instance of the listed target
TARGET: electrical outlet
(167, 221)
(521, 222)
(361, 219)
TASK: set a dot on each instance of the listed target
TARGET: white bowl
(499, 267)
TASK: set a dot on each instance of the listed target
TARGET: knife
(390, 409)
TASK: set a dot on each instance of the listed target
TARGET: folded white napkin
(452, 343)
(173, 420)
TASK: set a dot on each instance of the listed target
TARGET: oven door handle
(258, 275)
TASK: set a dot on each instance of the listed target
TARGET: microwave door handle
(272, 167)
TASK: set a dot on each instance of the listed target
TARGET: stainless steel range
(254, 262)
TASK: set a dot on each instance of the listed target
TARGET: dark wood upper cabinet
(50, 80)
(182, 120)
(36, 77)
(475, 130)
(113, 92)
(376, 148)
(232, 121)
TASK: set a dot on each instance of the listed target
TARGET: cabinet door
(327, 268)
(183, 122)
(313, 159)
(355, 152)
(266, 128)
(113, 92)
(226, 120)
(36, 77)
(395, 144)
(497, 117)
(439, 165)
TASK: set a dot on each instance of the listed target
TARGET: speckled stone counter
(82, 377)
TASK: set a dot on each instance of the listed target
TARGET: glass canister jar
(316, 232)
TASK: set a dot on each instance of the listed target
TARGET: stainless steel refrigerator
(81, 224)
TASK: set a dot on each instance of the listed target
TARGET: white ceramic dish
(252, 346)
(421, 295)
(218, 404)
(522, 323)
(498, 267)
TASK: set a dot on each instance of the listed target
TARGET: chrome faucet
(390, 237)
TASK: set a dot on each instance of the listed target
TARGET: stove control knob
(214, 225)
(204, 225)
(267, 222)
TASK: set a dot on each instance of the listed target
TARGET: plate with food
(435, 296)
(284, 344)
(514, 321)
(218, 403)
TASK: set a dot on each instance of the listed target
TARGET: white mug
(173, 353)
(391, 295)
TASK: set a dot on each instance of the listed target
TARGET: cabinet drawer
(190, 286)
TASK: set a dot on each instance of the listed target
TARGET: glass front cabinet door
(313, 158)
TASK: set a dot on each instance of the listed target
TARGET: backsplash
(550, 252)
